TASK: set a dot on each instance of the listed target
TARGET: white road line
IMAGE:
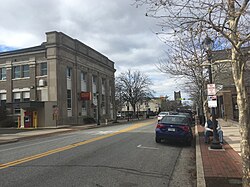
(106, 132)
(100, 132)
(143, 147)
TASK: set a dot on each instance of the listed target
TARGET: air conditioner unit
(42, 82)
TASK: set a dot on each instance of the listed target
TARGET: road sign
(211, 90)
(212, 101)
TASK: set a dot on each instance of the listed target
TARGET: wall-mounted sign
(86, 96)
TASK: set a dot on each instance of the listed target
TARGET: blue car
(175, 128)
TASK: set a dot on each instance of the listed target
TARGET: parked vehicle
(189, 116)
(119, 115)
(162, 114)
(175, 128)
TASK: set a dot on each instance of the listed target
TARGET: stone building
(60, 82)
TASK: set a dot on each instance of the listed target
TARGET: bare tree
(119, 100)
(228, 18)
(133, 87)
(185, 58)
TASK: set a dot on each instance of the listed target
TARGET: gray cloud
(115, 28)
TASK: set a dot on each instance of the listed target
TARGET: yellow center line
(40, 155)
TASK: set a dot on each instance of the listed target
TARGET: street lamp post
(208, 42)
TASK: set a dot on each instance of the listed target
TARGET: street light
(208, 43)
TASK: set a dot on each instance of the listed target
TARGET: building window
(16, 72)
(103, 86)
(94, 84)
(43, 68)
(69, 73)
(84, 105)
(25, 72)
(83, 82)
(21, 71)
(17, 98)
(2, 99)
(26, 96)
(69, 99)
(83, 76)
(94, 80)
(84, 108)
(2, 73)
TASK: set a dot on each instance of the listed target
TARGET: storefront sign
(86, 96)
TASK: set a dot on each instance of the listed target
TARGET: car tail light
(159, 126)
(185, 128)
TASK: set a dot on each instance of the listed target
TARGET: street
(121, 155)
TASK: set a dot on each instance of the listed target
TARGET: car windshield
(163, 113)
(185, 114)
(178, 120)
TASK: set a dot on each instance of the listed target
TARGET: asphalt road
(123, 155)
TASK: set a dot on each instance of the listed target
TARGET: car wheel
(157, 140)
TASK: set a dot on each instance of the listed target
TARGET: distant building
(177, 97)
(152, 106)
(60, 82)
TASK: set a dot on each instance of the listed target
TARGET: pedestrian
(209, 130)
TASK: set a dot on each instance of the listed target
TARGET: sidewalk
(219, 167)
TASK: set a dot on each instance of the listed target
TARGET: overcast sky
(115, 28)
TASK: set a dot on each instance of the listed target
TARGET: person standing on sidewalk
(209, 130)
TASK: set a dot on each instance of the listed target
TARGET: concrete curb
(199, 165)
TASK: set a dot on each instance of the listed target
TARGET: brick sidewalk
(221, 167)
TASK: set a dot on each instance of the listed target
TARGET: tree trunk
(205, 108)
(242, 102)
(134, 109)
(244, 131)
